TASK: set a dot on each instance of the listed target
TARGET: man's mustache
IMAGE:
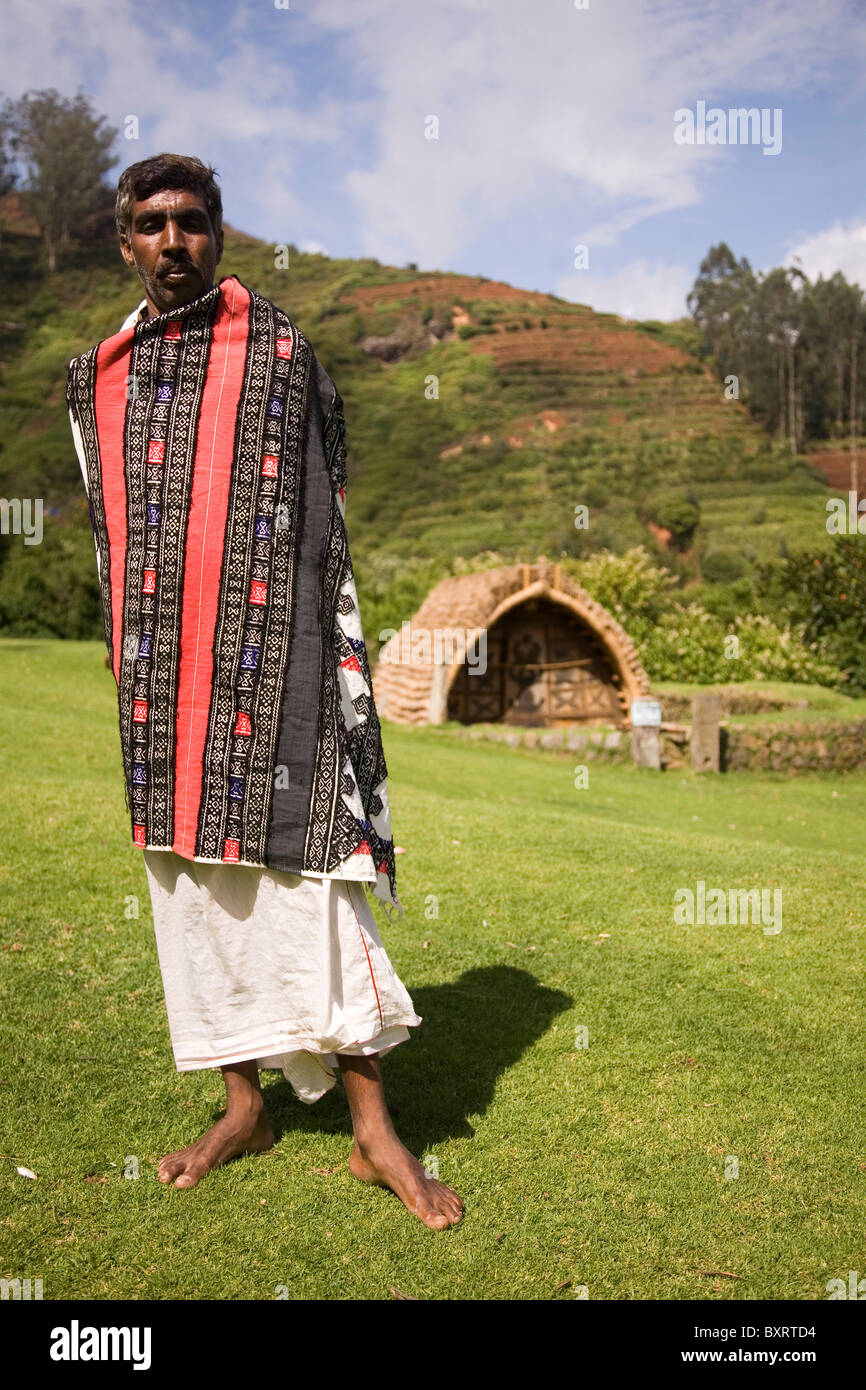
(173, 266)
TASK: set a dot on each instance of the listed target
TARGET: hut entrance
(544, 667)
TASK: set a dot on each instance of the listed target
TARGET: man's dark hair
(140, 181)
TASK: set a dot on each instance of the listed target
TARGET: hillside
(542, 405)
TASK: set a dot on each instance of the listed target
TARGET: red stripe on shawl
(212, 472)
(112, 373)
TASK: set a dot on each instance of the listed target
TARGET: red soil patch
(15, 216)
(584, 348)
(551, 421)
(583, 341)
(582, 362)
(661, 533)
(443, 289)
(835, 464)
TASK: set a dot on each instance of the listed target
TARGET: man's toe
(449, 1202)
(437, 1219)
(170, 1167)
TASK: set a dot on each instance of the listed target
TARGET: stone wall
(588, 745)
(831, 745)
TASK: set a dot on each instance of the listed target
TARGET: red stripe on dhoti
(212, 472)
(112, 377)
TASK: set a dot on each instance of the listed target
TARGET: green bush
(676, 512)
(51, 589)
(727, 601)
(629, 586)
(689, 643)
(722, 566)
(825, 591)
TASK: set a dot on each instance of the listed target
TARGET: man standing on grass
(212, 447)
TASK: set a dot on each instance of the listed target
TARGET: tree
(795, 346)
(719, 302)
(7, 168)
(776, 333)
(677, 514)
(64, 150)
(833, 312)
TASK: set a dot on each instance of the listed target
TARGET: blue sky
(555, 127)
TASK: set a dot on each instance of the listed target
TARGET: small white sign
(646, 713)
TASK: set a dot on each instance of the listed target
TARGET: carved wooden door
(544, 667)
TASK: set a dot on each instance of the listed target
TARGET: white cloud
(230, 104)
(637, 291)
(542, 100)
(314, 248)
(539, 105)
(840, 247)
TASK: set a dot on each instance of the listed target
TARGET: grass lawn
(821, 704)
(532, 910)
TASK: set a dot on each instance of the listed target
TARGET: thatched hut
(523, 644)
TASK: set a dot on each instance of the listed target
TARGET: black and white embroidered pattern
(256, 591)
(80, 397)
(168, 370)
(290, 681)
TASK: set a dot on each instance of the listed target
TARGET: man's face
(173, 247)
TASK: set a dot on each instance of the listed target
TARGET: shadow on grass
(473, 1030)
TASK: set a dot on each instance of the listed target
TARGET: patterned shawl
(214, 447)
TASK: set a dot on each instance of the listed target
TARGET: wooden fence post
(705, 738)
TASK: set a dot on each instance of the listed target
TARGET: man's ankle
(245, 1107)
(372, 1136)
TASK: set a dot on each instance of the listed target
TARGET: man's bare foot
(236, 1134)
(386, 1161)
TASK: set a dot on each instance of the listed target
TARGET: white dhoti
(286, 969)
